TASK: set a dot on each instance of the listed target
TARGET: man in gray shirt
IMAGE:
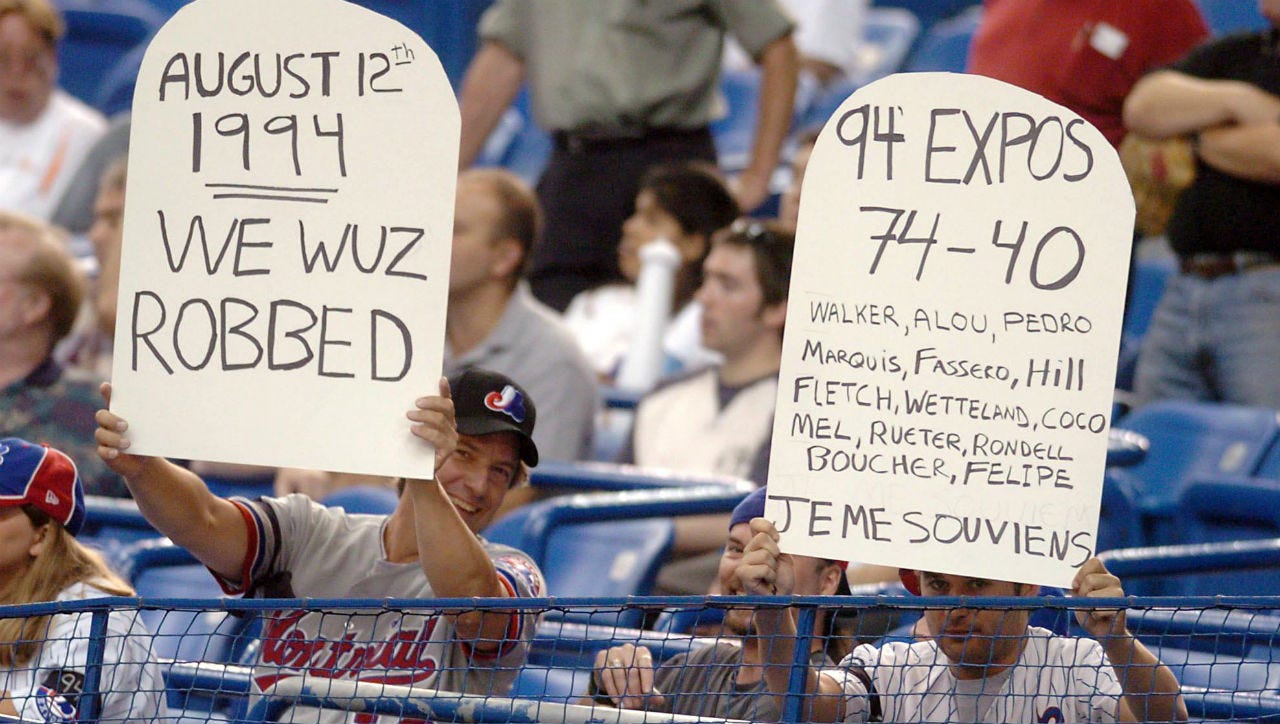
(725, 679)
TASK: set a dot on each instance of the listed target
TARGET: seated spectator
(720, 419)
(40, 294)
(495, 323)
(979, 665)
(427, 548)
(89, 347)
(44, 658)
(44, 132)
(684, 204)
(722, 680)
(1214, 335)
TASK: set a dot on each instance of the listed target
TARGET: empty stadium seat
(367, 499)
(945, 45)
(98, 34)
(1232, 16)
(112, 525)
(607, 544)
(1229, 508)
(1190, 439)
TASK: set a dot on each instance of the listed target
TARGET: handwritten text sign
(952, 333)
(287, 234)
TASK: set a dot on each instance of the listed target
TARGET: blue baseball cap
(41, 476)
(751, 506)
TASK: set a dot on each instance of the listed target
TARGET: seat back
(98, 34)
(1194, 439)
(944, 46)
(1228, 508)
(366, 499)
(1231, 16)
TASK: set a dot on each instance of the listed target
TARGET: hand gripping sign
(952, 333)
(287, 233)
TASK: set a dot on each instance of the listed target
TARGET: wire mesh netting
(861, 658)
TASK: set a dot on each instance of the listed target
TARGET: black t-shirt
(1220, 213)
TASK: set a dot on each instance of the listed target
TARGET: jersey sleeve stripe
(511, 638)
(252, 556)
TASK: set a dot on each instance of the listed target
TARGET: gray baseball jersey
(1056, 679)
(49, 687)
(301, 548)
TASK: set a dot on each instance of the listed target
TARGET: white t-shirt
(48, 688)
(828, 30)
(1057, 679)
(604, 322)
(38, 159)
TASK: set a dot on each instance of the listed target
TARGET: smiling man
(427, 548)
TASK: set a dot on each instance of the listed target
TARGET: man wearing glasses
(44, 132)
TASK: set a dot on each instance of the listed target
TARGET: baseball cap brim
(489, 425)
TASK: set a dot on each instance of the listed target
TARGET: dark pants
(587, 190)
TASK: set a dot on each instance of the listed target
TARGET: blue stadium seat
(115, 90)
(1232, 16)
(517, 143)
(945, 45)
(735, 130)
(607, 544)
(1149, 278)
(1229, 508)
(929, 12)
(369, 499)
(100, 33)
(159, 569)
(112, 525)
(1190, 439)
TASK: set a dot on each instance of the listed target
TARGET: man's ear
(34, 305)
(507, 258)
(775, 315)
(831, 576)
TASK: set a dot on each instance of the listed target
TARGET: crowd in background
(543, 278)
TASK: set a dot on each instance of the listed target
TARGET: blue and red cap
(486, 402)
(41, 476)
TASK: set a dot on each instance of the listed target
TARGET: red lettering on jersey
(406, 657)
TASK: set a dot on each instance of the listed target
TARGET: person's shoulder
(682, 380)
(544, 327)
(76, 111)
(517, 567)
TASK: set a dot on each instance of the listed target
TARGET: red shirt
(1084, 54)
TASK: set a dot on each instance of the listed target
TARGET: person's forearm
(779, 68)
(455, 563)
(179, 505)
(1249, 152)
(1149, 688)
(1168, 103)
(491, 83)
(822, 698)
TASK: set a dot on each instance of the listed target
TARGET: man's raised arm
(175, 500)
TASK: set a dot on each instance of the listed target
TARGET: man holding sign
(427, 548)
(977, 665)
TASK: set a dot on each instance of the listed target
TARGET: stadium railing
(1237, 631)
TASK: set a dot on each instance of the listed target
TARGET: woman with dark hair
(43, 658)
(684, 204)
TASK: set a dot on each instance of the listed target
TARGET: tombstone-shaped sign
(952, 333)
(287, 231)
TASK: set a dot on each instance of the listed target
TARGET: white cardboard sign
(952, 333)
(287, 234)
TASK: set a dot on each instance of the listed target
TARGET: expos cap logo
(4, 450)
(509, 402)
